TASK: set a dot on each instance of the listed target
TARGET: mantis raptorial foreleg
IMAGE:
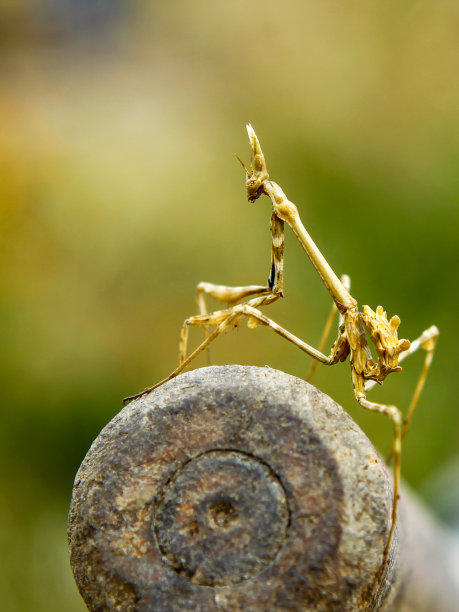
(233, 295)
(227, 294)
(224, 293)
(222, 319)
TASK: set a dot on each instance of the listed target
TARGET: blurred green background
(119, 192)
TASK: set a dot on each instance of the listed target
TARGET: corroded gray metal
(235, 488)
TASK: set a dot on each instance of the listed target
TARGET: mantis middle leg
(346, 281)
(222, 319)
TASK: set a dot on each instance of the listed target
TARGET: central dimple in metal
(222, 518)
(223, 514)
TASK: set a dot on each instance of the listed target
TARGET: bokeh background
(119, 192)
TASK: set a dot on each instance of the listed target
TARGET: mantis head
(258, 172)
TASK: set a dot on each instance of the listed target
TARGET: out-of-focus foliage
(119, 193)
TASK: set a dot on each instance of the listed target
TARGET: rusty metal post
(245, 489)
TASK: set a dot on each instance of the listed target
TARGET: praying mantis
(353, 327)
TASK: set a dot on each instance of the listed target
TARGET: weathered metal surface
(222, 518)
(234, 488)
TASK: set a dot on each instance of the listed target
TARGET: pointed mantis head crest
(258, 172)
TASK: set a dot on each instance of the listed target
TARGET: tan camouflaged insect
(353, 323)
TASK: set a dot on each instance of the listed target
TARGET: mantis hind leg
(427, 341)
(397, 420)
